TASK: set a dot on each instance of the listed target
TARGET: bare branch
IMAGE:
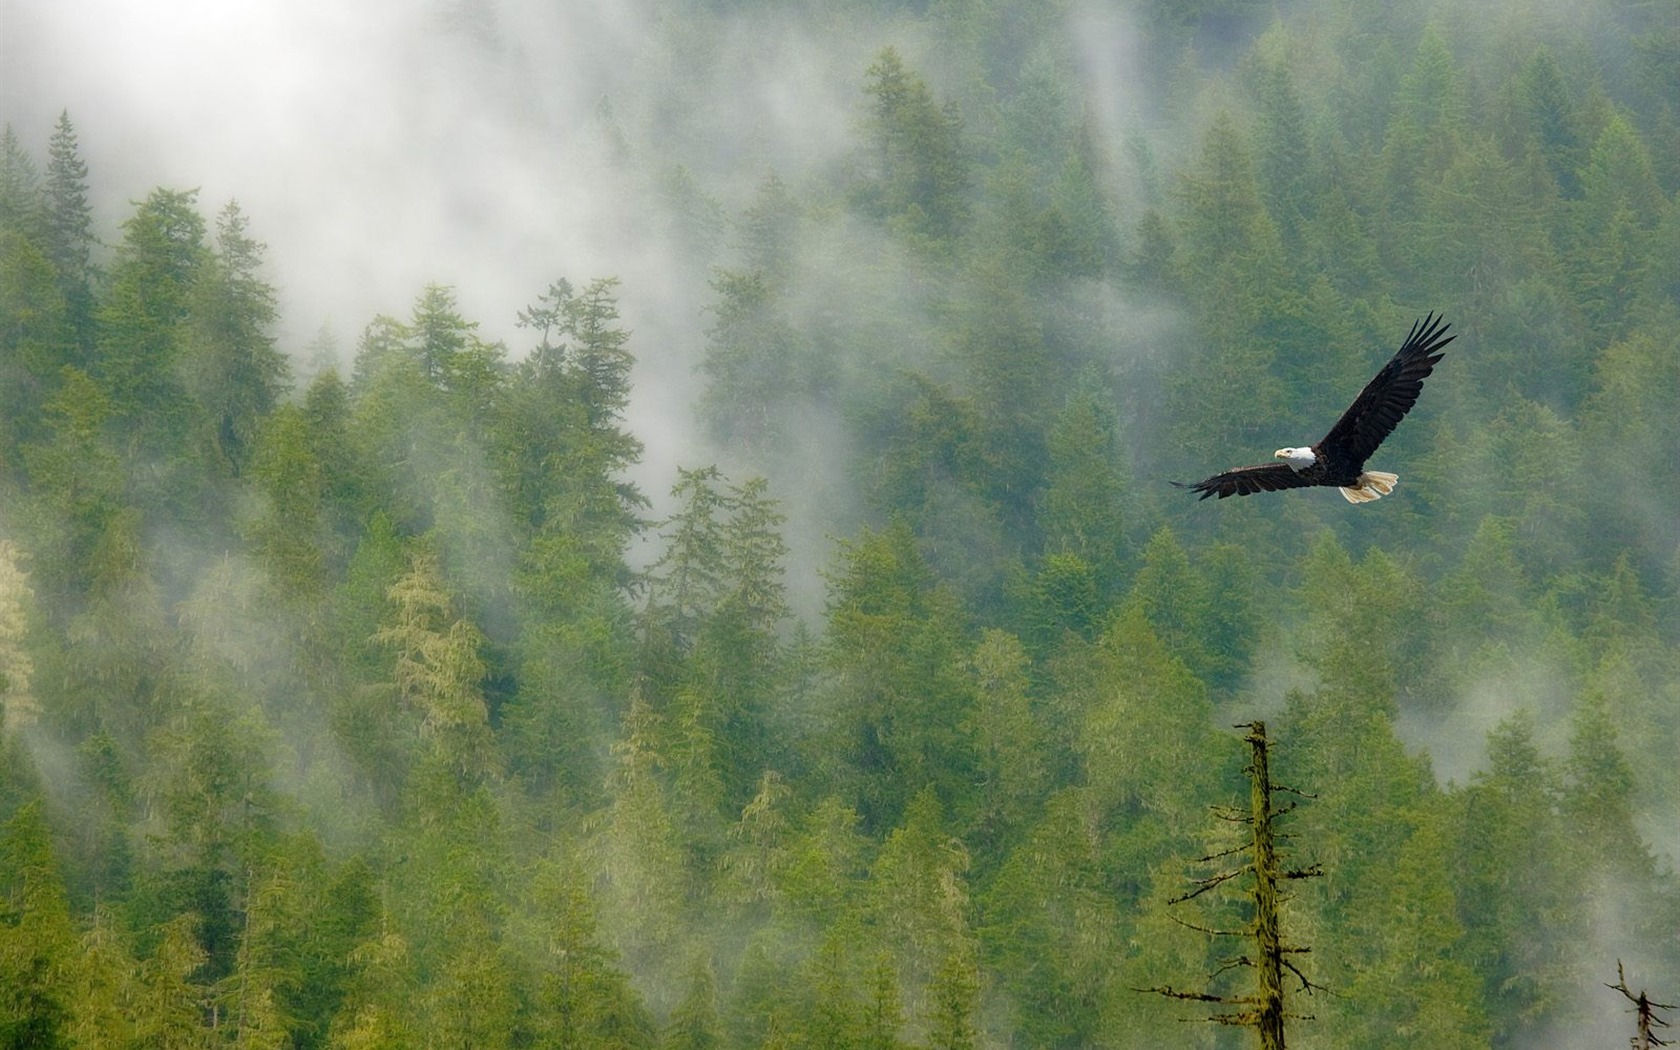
(1173, 993)
(1306, 985)
(1233, 851)
(1204, 929)
(1232, 964)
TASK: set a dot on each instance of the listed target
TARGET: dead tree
(1263, 1010)
(1645, 1039)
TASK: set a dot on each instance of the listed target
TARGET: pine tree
(104, 990)
(582, 999)
(143, 320)
(919, 905)
(379, 1008)
(1519, 903)
(38, 958)
(694, 1022)
(69, 234)
(170, 1005)
(901, 703)
(1231, 255)
(20, 188)
(438, 670)
(252, 1000)
(920, 162)
(1009, 745)
(236, 372)
(19, 707)
(34, 344)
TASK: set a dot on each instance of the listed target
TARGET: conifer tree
(143, 319)
(694, 1022)
(379, 1007)
(19, 708)
(20, 188)
(104, 988)
(38, 958)
(921, 166)
(438, 669)
(69, 217)
(236, 372)
(170, 1008)
(34, 344)
(582, 998)
(901, 717)
(1009, 743)
(69, 235)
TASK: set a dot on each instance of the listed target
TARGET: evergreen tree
(694, 1023)
(438, 669)
(1620, 205)
(902, 704)
(19, 707)
(919, 905)
(1231, 256)
(38, 958)
(582, 998)
(33, 344)
(170, 1005)
(378, 1008)
(920, 165)
(1518, 903)
(236, 372)
(1009, 745)
(143, 321)
(69, 235)
(20, 188)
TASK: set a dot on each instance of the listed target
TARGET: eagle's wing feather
(1243, 481)
(1387, 398)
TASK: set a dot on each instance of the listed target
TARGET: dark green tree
(918, 163)
(902, 704)
(38, 951)
(69, 235)
(236, 373)
(143, 323)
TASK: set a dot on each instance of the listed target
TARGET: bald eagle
(1339, 459)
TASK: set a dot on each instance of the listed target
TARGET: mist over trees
(404, 698)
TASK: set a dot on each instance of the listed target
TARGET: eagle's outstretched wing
(1386, 399)
(1243, 481)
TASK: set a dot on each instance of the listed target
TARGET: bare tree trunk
(1644, 1038)
(1262, 1011)
(1268, 940)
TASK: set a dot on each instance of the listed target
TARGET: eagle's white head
(1299, 458)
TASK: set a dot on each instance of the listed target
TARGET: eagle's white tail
(1373, 484)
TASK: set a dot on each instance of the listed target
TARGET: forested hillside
(368, 700)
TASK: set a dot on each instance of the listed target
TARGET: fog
(492, 147)
(379, 146)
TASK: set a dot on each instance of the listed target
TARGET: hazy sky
(376, 145)
(380, 145)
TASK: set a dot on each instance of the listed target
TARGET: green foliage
(901, 700)
(143, 322)
(916, 151)
(378, 712)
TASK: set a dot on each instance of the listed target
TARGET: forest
(387, 695)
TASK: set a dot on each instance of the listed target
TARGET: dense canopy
(430, 681)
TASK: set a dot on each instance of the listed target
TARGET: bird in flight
(1339, 459)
